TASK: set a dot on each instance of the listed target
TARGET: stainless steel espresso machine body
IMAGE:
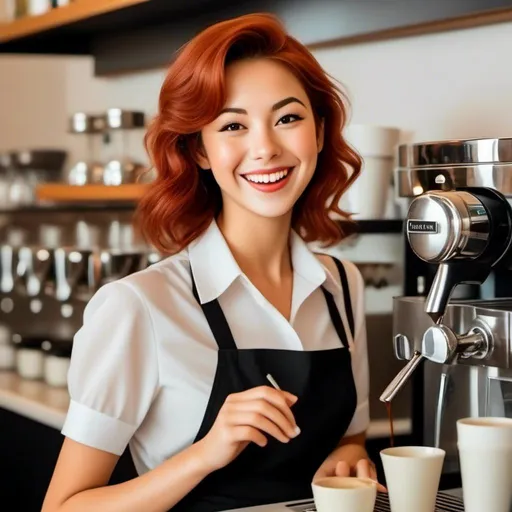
(52, 260)
(456, 339)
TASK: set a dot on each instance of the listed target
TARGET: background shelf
(56, 192)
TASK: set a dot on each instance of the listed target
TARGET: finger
(363, 469)
(271, 395)
(320, 474)
(246, 433)
(366, 469)
(261, 392)
(290, 398)
(373, 471)
(342, 468)
(257, 420)
(271, 412)
(380, 487)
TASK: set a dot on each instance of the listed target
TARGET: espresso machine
(52, 261)
(453, 324)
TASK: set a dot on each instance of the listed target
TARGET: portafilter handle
(401, 378)
(441, 345)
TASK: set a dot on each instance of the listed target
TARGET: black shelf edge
(146, 35)
(373, 226)
(69, 207)
(370, 226)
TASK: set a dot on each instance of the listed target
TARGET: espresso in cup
(335, 493)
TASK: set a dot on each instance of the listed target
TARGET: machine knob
(439, 344)
(442, 226)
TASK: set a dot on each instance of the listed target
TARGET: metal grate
(444, 503)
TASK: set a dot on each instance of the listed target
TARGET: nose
(264, 145)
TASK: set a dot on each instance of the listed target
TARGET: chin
(272, 212)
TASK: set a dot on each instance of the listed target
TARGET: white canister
(7, 10)
(37, 7)
(29, 358)
(56, 362)
(7, 350)
(7, 357)
(368, 197)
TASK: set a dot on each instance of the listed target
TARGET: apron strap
(333, 309)
(224, 337)
(216, 320)
(346, 295)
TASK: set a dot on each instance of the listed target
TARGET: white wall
(31, 108)
(37, 93)
(449, 85)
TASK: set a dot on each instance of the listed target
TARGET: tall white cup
(367, 198)
(412, 477)
(485, 452)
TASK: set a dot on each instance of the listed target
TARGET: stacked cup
(485, 452)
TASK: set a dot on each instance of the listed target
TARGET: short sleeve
(359, 352)
(113, 376)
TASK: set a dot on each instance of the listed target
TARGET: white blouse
(144, 361)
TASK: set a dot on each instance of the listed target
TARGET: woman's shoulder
(170, 270)
(330, 261)
(161, 283)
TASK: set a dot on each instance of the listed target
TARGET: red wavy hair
(182, 201)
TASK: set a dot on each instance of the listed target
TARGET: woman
(173, 361)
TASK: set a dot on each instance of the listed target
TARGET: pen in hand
(276, 386)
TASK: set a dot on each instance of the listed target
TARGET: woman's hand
(247, 417)
(349, 460)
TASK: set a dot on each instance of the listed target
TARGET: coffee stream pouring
(459, 223)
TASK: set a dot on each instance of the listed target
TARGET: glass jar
(7, 350)
(29, 357)
(56, 362)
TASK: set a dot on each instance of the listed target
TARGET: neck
(260, 245)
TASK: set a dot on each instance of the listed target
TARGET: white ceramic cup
(485, 453)
(368, 197)
(347, 494)
(412, 477)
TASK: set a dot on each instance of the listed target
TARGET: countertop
(33, 399)
(48, 405)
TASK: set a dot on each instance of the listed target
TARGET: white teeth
(267, 178)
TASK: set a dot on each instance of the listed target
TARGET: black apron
(325, 387)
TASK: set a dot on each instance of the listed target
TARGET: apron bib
(323, 382)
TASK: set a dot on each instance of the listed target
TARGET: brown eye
(231, 127)
(289, 118)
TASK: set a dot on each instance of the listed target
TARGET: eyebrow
(276, 106)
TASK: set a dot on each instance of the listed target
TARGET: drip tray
(445, 503)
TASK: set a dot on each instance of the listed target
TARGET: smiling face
(263, 147)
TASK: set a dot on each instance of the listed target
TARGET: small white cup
(412, 477)
(485, 452)
(347, 494)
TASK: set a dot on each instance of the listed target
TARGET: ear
(200, 156)
(320, 135)
(202, 160)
